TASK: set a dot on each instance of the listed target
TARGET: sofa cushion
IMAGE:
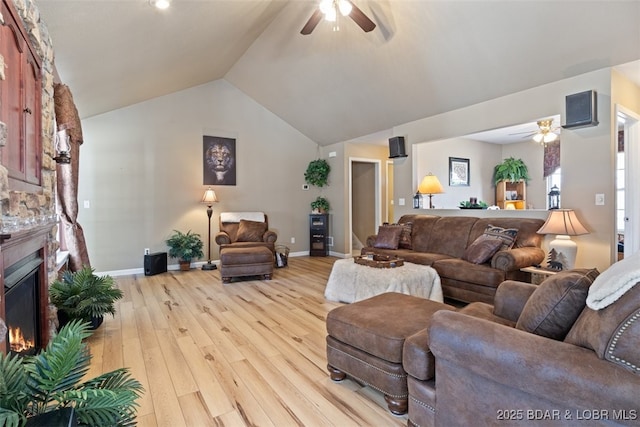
(612, 332)
(388, 237)
(481, 250)
(554, 307)
(405, 236)
(250, 231)
(505, 235)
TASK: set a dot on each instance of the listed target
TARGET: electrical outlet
(293, 240)
(305, 187)
(330, 241)
(146, 251)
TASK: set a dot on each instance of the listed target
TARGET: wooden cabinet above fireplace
(20, 104)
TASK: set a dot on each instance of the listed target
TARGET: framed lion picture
(219, 160)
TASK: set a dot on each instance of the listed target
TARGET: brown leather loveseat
(450, 246)
(537, 356)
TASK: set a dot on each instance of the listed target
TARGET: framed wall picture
(458, 172)
(219, 160)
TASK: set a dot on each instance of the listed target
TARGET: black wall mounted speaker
(581, 110)
(155, 263)
(396, 147)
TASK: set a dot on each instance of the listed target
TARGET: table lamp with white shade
(562, 250)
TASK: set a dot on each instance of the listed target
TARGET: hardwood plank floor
(248, 353)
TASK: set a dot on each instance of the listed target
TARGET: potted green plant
(512, 170)
(185, 247)
(320, 205)
(84, 296)
(317, 173)
(51, 381)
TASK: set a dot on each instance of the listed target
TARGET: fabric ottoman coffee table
(247, 261)
(350, 282)
(365, 341)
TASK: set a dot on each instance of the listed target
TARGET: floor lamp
(209, 199)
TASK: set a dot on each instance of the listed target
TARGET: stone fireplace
(28, 242)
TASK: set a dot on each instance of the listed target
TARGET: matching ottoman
(365, 341)
(246, 261)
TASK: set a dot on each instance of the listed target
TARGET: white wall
(141, 170)
(587, 159)
(434, 157)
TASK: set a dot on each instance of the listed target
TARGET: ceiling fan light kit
(329, 10)
(545, 134)
(160, 4)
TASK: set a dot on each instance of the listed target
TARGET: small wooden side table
(538, 274)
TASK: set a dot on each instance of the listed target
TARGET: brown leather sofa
(538, 355)
(443, 242)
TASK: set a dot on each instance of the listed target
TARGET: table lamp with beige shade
(430, 185)
(562, 250)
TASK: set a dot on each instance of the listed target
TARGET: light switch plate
(599, 199)
(401, 201)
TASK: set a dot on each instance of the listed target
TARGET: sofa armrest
(510, 298)
(526, 367)
(270, 236)
(222, 238)
(515, 259)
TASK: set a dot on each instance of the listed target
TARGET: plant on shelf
(511, 169)
(320, 205)
(51, 381)
(82, 295)
(468, 205)
(317, 173)
(185, 247)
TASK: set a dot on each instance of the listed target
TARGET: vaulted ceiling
(424, 57)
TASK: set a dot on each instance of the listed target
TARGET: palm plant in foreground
(51, 380)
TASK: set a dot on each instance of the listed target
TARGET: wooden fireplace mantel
(13, 248)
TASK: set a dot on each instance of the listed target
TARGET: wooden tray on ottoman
(379, 261)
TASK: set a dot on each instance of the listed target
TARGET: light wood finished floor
(246, 353)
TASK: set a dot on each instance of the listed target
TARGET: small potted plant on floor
(84, 296)
(320, 205)
(185, 247)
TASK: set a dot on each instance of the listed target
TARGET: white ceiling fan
(545, 133)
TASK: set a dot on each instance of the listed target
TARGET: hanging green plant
(511, 169)
(317, 173)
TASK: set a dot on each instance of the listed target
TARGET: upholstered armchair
(245, 229)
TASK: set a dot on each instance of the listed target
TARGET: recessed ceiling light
(160, 4)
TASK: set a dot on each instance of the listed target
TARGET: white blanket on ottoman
(350, 282)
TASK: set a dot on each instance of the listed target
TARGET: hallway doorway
(364, 201)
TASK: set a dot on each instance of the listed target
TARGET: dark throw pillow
(506, 235)
(388, 237)
(481, 250)
(405, 236)
(554, 307)
(251, 231)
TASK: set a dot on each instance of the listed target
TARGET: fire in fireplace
(21, 305)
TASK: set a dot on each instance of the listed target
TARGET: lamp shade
(209, 197)
(562, 250)
(563, 221)
(430, 185)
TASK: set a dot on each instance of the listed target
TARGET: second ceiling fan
(330, 9)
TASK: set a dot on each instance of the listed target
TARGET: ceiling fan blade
(361, 19)
(312, 22)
